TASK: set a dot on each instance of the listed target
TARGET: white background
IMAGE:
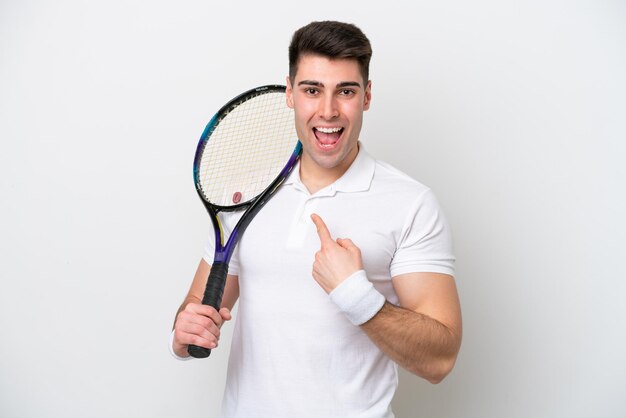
(513, 112)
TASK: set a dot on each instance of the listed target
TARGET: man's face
(329, 97)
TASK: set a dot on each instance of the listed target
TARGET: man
(322, 322)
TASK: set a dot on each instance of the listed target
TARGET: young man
(323, 321)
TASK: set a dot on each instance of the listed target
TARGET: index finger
(322, 229)
(208, 311)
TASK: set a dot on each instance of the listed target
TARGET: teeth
(328, 130)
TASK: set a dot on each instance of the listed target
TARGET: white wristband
(171, 347)
(357, 298)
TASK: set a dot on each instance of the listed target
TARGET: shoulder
(396, 184)
(405, 199)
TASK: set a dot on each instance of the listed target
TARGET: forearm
(417, 342)
(413, 339)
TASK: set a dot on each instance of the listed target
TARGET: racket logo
(236, 197)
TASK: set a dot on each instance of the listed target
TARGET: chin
(330, 158)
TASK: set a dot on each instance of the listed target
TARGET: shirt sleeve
(425, 241)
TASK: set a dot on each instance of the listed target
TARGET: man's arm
(200, 324)
(423, 334)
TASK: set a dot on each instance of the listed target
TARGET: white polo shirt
(294, 353)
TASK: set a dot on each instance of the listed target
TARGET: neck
(315, 177)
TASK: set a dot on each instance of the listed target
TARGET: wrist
(357, 298)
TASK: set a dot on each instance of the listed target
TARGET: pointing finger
(322, 229)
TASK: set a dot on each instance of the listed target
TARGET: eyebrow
(339, 85)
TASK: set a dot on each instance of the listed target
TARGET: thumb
(346, 243)
(225, 313)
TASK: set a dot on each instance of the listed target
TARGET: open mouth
(327, 137)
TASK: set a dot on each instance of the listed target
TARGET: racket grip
(213, 297)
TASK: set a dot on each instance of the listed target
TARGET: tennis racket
(244, 154)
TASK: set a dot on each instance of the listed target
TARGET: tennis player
(346, 273)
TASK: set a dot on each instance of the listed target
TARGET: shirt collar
(357, 178)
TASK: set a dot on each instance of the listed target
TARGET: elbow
(440, 370)
(442, 365)
(437, 362)
(436, 379)
(437, 368)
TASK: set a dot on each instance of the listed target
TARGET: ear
(368, 95)
(289, 93)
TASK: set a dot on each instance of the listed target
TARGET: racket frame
(224, 250)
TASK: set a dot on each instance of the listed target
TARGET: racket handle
(213, 297)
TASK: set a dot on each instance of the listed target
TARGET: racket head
(246, 148)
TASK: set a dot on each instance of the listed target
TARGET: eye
(310, 91)
(346, 92)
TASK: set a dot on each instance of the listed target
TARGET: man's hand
(336, 260)
(199, 325)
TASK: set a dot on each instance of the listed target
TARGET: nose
(328, 108)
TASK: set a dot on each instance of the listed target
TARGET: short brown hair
(334, 40)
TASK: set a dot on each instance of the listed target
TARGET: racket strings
(247, 150)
